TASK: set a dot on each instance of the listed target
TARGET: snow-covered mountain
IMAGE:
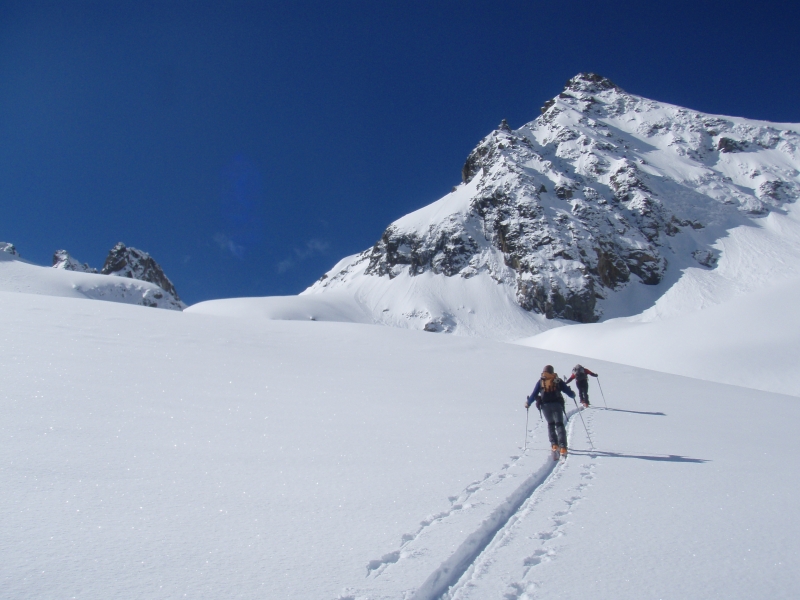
(136, 264)
(8, 248)
(138, 278)
(591, 211)
(63, 260)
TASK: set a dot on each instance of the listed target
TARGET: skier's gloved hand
(527, 405)
(594, 374)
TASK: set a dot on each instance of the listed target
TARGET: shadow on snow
(655, 457)
(636, 412)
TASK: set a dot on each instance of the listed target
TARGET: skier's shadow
(654, 457)
(637, 412)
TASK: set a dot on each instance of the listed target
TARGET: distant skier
(548, 399)
(579, 374)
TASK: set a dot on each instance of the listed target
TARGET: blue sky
(248, 146)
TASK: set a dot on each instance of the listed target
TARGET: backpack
(549, 388)
(579, 372)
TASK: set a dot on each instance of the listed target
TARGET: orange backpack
(549, 383)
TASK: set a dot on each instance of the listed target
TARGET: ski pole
(526, 429)
(601, 391)
(584, 423)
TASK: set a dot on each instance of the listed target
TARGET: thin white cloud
(311, 247)
(225, 243)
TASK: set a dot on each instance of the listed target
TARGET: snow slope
(286, 308)
(737, 323)
(426, 302)
(18, 275)
(160, 454)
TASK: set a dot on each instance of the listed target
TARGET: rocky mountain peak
(123, 261)
(8, 248)
(590, 83)
(604, 192)
(487, 150)
(63, 260)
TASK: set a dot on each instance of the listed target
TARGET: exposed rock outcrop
(123, 261)
(63, 260)
(8, 248)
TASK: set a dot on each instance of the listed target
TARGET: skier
(548, 399)
(579, 374)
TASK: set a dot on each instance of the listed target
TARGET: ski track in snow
(457, 502)
(524, 588)
(455, 576)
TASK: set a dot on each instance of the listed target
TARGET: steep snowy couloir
(590, 211)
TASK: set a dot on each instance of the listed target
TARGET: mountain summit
(123, 261)
(589, 211)
(65, 261)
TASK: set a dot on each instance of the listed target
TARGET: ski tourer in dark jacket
(548, 399)
(579, 374)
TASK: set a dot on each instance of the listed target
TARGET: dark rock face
(776, 191)
(446, 252)
(705, 257)
(728, 145)
(590, 83)
(135, 264)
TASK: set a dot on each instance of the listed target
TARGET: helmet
(548, 369)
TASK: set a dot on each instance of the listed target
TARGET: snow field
(156, 454)
(689, 495)
(474, 306)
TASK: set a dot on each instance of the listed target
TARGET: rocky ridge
(132, 263)
(63, 260)
(8, 248)
(70, 278)
(603, 191)
(123, 261)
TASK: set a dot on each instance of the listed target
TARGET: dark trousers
(583, 390)
(554, 415)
